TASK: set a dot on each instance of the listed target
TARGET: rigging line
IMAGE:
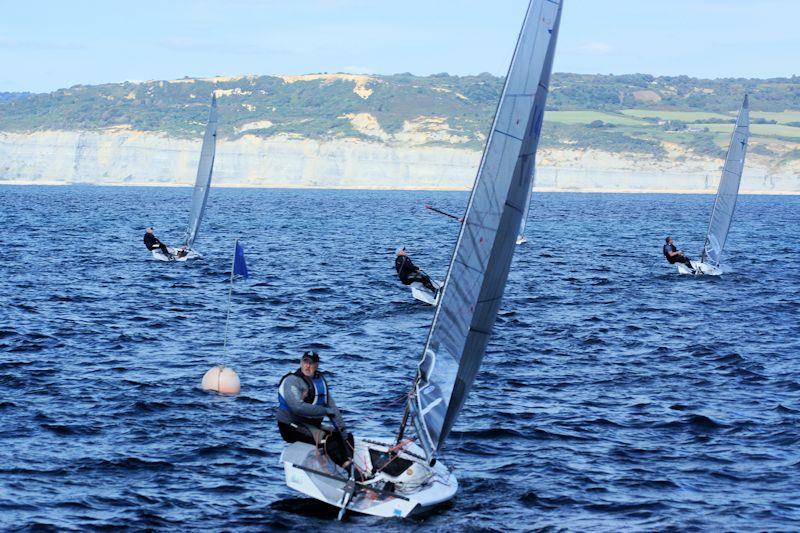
(228, 315)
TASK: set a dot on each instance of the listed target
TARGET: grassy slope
(625, 114)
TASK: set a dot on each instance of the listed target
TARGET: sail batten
(481, 261)
(728, 190)
(205, 169)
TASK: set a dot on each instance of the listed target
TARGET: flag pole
(230, 292)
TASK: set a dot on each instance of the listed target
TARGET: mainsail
(728, 191)
(526, 210)
(479, 268)
(204, 170)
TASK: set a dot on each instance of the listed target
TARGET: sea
(614, 395)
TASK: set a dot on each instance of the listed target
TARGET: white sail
(728, 191)
(205, 169)
(479, 268)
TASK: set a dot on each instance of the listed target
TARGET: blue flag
(239, 264)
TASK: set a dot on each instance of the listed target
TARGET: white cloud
(357, 70)
(593, 48)
(191, 44)
(40, 45)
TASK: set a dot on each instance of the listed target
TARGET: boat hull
(421, 293)
(701, 269)
(419, 488)
(158, 255)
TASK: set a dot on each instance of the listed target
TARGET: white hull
(415, 489)
(521, 239)
(422, 294)
(159, 256)
(700, 269)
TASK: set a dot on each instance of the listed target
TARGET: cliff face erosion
(397, 132)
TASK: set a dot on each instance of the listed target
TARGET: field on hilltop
(628, 114)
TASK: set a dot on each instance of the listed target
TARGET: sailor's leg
(296, 433)
(426, 280)
(412, 278)
(338, 449)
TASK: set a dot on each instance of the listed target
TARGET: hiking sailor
(674, 255)
(152, 242)
(304, 400)
(409, 273)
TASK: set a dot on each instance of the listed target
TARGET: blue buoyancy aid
(317, 388)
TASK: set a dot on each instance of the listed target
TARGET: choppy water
(615, 394)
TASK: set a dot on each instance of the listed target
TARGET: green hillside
(629, 113)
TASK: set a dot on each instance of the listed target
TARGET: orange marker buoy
(221, 379)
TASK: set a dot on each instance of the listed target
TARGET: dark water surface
(615, 394)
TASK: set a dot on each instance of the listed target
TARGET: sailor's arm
(333, 410)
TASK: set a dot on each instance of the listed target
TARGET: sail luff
(205, 169)
(728, 190)
(482, 257)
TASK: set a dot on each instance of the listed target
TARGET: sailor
(409, 273)
(674, 255)
(304, 400)
(152, 242)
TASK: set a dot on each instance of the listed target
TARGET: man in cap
(674, 255)
(152, 242)
(409, 273)
(304, 400)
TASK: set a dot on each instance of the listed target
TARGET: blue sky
(45, 45)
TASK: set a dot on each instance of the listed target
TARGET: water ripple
(614, 395)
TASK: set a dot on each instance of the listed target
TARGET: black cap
(313, 356)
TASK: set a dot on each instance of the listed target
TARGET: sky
(46, 45)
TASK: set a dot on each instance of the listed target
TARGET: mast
(205, 169)
(728, 190)
(476, 279)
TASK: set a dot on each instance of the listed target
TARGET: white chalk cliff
(121, 156)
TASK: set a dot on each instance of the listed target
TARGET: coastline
(126, 158)
(578, 190)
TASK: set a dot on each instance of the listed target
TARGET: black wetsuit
(408, 273)
(676, 258)
(152, 242)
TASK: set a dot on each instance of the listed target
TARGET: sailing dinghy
(397, 476)
(202, 185)
(725, 203)
(521, 237)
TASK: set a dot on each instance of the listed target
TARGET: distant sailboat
(401, 477)
(725, 202)
(521, 237)
(202, 186)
